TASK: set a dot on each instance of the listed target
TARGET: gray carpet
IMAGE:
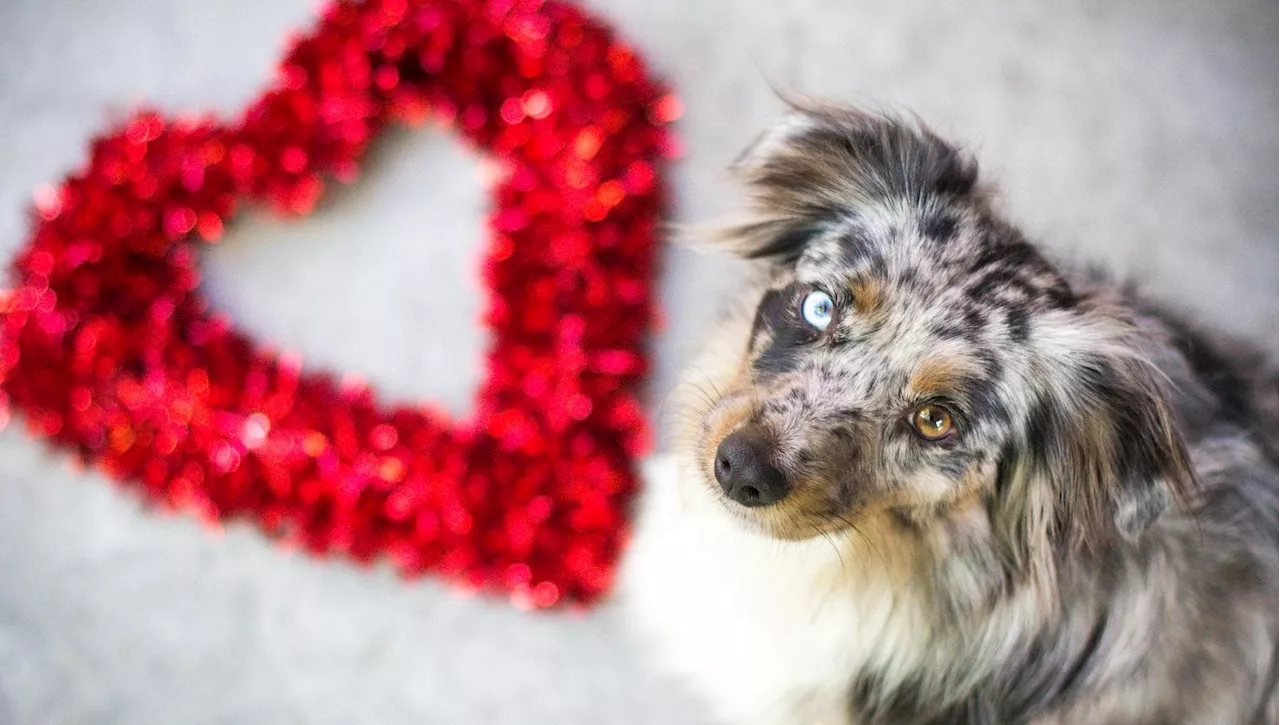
(1140, 134)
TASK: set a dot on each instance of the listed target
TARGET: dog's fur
(1097, 542)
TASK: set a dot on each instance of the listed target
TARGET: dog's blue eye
(817, 309)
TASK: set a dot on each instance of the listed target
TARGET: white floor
(1141, 134)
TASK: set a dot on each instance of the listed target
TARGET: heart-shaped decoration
(109, 351)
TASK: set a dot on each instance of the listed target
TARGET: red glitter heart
(108, 349)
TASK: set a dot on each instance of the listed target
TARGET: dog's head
(912, 356)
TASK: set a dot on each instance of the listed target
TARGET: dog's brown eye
(932, 422)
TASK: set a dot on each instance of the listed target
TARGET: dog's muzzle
(744, 471)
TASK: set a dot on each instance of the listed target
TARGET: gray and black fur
(1096, 541)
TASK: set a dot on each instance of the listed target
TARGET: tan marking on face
(939, 374)
(869, 298)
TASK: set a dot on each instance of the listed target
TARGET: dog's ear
(1101, 435)
(825, 163)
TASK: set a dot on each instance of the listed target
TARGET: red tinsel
(109, 350)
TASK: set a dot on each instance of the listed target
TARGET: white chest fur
(767, 631)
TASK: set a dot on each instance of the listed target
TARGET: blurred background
(1138, 134)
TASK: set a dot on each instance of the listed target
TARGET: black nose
(744, 471)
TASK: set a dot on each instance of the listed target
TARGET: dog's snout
(743, 469)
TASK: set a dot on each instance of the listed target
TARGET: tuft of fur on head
(821, 158)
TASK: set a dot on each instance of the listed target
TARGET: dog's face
(912, 357)
(878, 375)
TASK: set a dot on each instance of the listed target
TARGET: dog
(923, 474)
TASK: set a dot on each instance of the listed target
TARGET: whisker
(826, 535)
(854, 528)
